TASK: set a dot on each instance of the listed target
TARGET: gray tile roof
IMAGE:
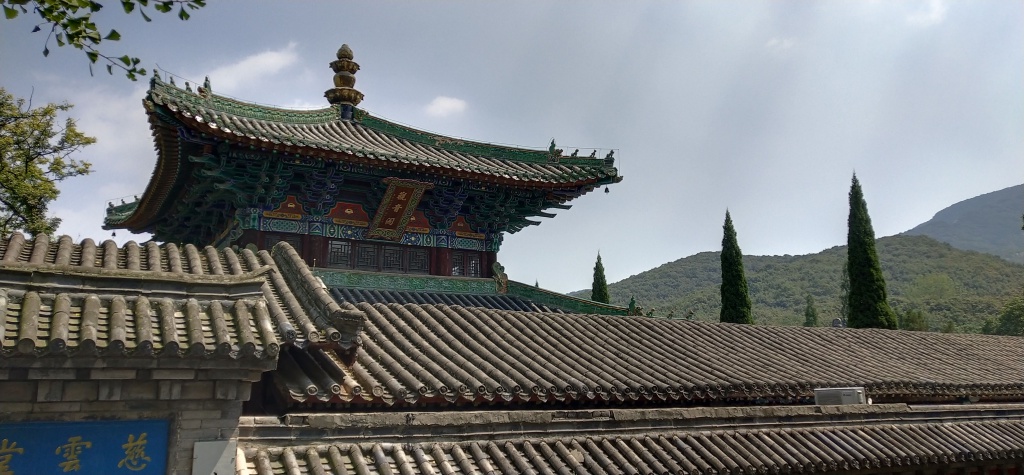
(66, 299)
(867, 448)
(426, 354)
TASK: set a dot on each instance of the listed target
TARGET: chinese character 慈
(134, 453)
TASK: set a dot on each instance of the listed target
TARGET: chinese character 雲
(71, 451)
(134, 453)
(7, 451)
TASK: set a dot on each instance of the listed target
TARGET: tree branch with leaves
(35, 150)
(70, 23)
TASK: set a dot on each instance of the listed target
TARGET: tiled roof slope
(858, 448)
(419, 354)
(494, 302)
(321, 133)
(66, 299)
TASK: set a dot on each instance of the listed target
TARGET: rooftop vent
(839, 396)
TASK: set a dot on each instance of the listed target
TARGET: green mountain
(989, 223)
(947, 284)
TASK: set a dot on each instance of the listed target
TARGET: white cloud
(778, 44)
(933, 14)
(227, 79)
(122, 158)
(443, 106)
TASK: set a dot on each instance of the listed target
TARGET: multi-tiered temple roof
(224, 164)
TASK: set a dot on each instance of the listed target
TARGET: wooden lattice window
(393, 259)
(458, 263)
(419, 261)
(467, 263)
(472, 264)
(367, 257)
(339, 254)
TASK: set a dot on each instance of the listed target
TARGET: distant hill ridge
(947, 267)
(989, 223)
(947, 284)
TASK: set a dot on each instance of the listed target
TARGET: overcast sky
(761, 108)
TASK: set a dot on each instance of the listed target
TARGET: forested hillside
(988, 223)
(947, 284)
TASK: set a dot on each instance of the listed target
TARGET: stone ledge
(457, 426)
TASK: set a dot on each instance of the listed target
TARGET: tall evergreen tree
(599, 291)
(868, 303)
(735, 297)
(844, 295)
(810, 313)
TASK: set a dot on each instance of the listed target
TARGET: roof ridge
(340, 327)
(168, 260)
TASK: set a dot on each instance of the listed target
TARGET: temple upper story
(345, 188)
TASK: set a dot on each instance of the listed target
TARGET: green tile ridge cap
(165, 94)
(562, 301)
(366, 280)
(119, 214)
(450, 143)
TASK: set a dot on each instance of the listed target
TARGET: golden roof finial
(343, 92)
(345, 52)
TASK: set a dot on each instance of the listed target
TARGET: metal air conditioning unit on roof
(839, 396)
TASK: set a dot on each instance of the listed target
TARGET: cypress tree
(868, 304)
(599, 291)
(844, 295)
(810, 313)
(735, 298)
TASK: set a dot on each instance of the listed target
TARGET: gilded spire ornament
(343, 92)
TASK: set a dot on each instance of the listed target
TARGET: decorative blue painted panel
(93, 447)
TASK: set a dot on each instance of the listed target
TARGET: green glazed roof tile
(376, 138)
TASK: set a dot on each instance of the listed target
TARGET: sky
(764, 109)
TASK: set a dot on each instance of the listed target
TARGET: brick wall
(200, 403)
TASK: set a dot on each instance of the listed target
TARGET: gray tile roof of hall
(418, 354)
(63, 298)
(860, 448)
(494, 302)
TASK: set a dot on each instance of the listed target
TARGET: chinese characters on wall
(94, 447)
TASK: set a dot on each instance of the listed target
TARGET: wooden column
(441, 262)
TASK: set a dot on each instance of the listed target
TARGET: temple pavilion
(346, 189)
(322, 297)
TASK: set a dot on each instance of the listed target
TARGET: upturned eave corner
(338, 327)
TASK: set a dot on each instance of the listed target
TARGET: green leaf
(144, 15)
(9, 12)
(162, 7)
(126, 60)
(182, 14)
(93, 56)
(113, 36)
(128, 6)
